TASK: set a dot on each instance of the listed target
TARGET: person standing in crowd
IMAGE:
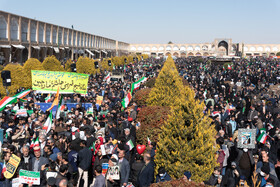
(84, 163)
(124, 168)
(99, 179)
(146, 175)
(38, 161)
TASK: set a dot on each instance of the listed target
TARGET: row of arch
(182, 54)
(51, 34)
(203, 48)
(260, 49)
(169, 48)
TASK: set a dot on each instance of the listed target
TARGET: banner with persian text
(68, 82)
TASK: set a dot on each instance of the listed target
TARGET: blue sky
(160, 21)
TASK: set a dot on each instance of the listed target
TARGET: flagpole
(57, 108)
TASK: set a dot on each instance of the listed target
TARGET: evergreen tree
(67, 66)
(31, 64)
(187, 140)
(168, 86)
(52, 64)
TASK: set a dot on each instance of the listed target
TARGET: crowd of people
(82, 141)
(242, 95)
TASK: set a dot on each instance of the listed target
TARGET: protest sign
(246, 138)
(68, 82)
(99, 100)
(21, 113)
(114, 173)
(15, 182)
(104, 168)
(11, 166)
(29, 177)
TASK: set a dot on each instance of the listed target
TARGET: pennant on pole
(55, 101)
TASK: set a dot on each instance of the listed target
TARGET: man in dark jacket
(136, 168)
(124, 168)
(61, 174)
(26, 161)
(84, 162)
(146, 175)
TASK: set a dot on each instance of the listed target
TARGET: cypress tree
(187, 140)
(168, 86)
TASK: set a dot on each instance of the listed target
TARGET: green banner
(67, 82)
(29, 177)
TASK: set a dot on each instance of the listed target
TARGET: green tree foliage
(130, 59)
(18, 77)
(168, 86)
(85, 65)
(31, 64)
(105, 66)
(52, 64)
(187, 140)
(177, 183)
(117, 61)
(278, 54)
(68, 65)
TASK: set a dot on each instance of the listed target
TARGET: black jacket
(146, 175)
(135, 170)
(84, 159)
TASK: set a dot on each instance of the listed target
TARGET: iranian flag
(126, 100)
(229, 67)
(130, 144)
(136, 84)
(48, 98)
(48, 124)
(34, 144)
(61, 107)
(107, 78)
(22, 94)
(270, 126)
(262, 138)
(92, 148)
(5, 101)
(149, 141)
(4, 169)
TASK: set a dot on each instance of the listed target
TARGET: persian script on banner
(29, 177)
(68, 82)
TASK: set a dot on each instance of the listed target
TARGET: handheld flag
(136, 85)
(130, 144)
(48, 98)
(55, 101)
(149, 141)
(126, 100)
(61, 107)
(262, 138)
(48, 124)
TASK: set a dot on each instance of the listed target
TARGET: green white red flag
(136, 85)
(61, 107)
(48, 98)
(130, 144)
(262, 138)
(126, 100)
(34, 144)
(5, 101)
(48, 124)
(22, 94)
